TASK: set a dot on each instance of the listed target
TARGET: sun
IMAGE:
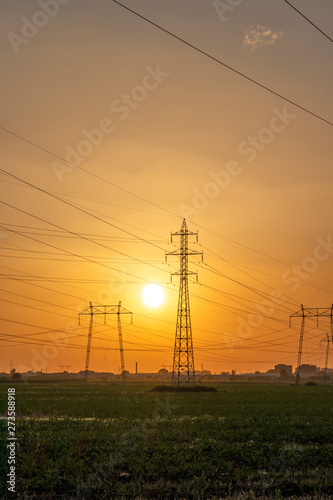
(153, 295)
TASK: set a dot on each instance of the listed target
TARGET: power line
(231, 242)
(218, 304)
(37, 300)
(76, 255)
(82, 169)
(52, 246)
(56, 247)
(265, 295)
(258, 346)
(250, 288)
(308, 20)
(246, 273)
(77, 235)
(252, 80)
(62, 234)
(48, 193)
(53, 344)
(36, 308)
(205, 330)
(80, 235)
(248, 249)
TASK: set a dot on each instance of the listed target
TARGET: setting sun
(153, 295)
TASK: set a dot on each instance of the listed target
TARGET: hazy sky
(181, 136)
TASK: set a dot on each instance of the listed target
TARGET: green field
(103, 441)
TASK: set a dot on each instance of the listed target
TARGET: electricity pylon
(326, 357)
(64, 366)
(183, 360)
(311, 312)
(99, 309)
(122, 361)
(90, 311)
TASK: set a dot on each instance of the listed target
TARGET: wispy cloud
(259, 36)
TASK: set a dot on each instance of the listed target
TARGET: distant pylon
(101, 309)
(311, 312)
(90, 311)
(326, 357)
(64, 366)
(183, 360)
(121, 348)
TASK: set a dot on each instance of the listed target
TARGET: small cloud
(260, 36)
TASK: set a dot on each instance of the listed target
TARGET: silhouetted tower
(89, 311)
(62, 367)
(121, 349)
(101, 309)
(326, 357)
(311, 312)
(183, 360)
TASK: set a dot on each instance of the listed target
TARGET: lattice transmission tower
(183, 360)
(101, 309)
(312, 312)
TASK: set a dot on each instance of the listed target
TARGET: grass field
(103, 441)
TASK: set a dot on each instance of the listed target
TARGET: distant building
(283, 370)
(306, 369)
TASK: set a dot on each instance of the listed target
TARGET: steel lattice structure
(101, 309)
(312, 312)
(183, 360)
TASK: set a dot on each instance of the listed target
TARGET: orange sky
(180, 136)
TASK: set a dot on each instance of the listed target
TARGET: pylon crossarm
(313, 312)
(179, 273)
(180, 252)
